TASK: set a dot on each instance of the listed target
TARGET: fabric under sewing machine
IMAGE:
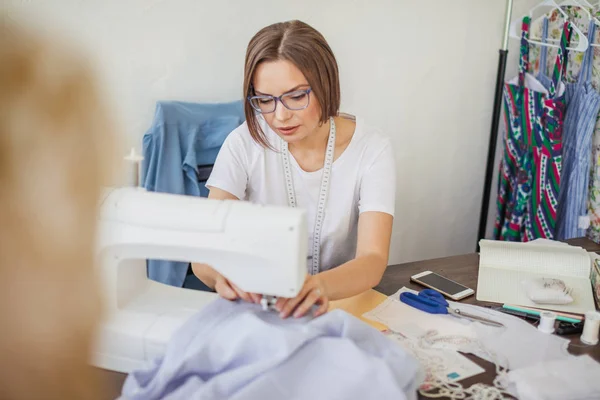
(234, 350)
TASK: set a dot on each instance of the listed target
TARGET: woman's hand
(229, 291)
(313, 292)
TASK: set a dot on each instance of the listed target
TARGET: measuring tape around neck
(325, 178)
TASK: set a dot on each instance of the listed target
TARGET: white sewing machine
(260, 249)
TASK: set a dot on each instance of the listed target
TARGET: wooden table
(462, 269)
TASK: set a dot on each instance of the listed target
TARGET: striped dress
(530, 169)
(583, 105)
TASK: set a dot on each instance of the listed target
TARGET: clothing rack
(489, 170)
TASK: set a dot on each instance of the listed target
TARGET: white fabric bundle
(548, 291)
(574, 378)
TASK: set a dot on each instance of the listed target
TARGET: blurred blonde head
(54, 138)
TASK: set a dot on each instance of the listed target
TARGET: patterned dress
(530, 168)
(579, 18)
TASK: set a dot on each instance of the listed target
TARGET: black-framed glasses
(296, 100)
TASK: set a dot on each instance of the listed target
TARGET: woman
(296, 149)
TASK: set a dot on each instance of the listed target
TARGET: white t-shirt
(363, 178)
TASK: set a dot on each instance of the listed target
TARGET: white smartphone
(445, 286)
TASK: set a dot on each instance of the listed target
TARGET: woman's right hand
(229, 291)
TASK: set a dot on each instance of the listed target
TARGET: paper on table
(517, 345)
(413, 323)
(456, 367)
(535, 257)
(503, 266)
(548, 242)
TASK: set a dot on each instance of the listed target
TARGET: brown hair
(307, 49)
(54, 140)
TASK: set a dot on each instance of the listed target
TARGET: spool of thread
(133, 168)
(547, 320)
(591, 328)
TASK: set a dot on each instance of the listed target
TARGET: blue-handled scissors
(433, 302)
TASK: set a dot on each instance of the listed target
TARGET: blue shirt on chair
(183, 136)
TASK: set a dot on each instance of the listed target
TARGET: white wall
(423, 71)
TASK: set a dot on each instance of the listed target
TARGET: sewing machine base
(139, 332)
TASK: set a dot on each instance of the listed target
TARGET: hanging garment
(555, 24)
(583, 104)
(593, 231)
(543, 60)
(572, 73)
(530, 169)
(182, 137)
(235, 350)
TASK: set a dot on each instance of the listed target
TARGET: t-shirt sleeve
(378, 182)
(230, 172)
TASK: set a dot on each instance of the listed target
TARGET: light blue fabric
(542, 76)
(236, 351)
(583, 105)
(183, 136)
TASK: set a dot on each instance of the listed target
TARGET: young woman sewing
(291, 83)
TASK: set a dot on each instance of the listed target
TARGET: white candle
(591, 328)
(133, 168)
(547, 321)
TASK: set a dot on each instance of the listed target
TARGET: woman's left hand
(313, 292)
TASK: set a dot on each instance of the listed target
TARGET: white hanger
(566, 3)
(592, 16)
(583, 5)
(582, 45)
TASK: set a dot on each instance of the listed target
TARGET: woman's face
(279, 77)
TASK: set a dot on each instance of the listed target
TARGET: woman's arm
(210, 276)
(372, 252)
(203, 271)
(362, 273)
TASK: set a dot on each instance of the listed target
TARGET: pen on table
(564, 328)
(563, 314)
(520, 314)
(537, 313)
